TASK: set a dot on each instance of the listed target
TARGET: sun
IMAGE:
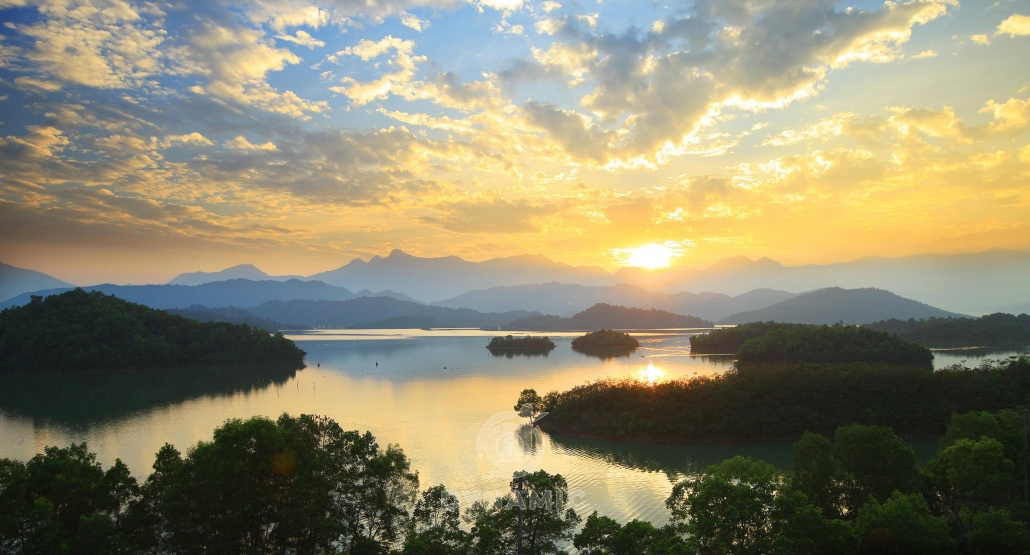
(651, 256)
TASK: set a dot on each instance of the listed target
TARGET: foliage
(832, 344)
(77, 330)
(526, 344)
(742, 506)
(605, 344)
(784, 401)
(604, 536)
(873, 462)
(902, 524)
(995, 532)
(548, 522)
(302, 485)
(530, 396)
(993, 330)
(62, 500)
(435, 526)
(606, 316)
(727, 341)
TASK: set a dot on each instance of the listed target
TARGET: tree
(727, 508)
(603, 536)
(977, 424)
(995, 532)
(874, 462)
(529, 396)
(815, 473)
(548, 522)
(435, 525)
(902, 524)
(976, 472)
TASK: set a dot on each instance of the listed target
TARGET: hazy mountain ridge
(567, 299)
(834, 304)
(974, 283)
(606, 316)
(233, 315)
(385, 311)
(235, 292)
(241, 271)
(15, 281)
(434, 279)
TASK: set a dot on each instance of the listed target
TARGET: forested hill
(77, 330)
(606, 316)
(374, 312)
(770, 342)
(833, 304)
(994, 330)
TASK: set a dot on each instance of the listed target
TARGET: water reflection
(651, 375)
(76, 399)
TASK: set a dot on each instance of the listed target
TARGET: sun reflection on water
(651, 375)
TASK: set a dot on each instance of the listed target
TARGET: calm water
(440, 395)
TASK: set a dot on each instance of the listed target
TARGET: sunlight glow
(651, 374)
(651, 256)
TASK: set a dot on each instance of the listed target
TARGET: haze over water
(439, 394)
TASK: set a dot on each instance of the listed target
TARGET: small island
(605, 344)
(510, 345)
(77, 331)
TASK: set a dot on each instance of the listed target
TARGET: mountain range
(15, 281)
(971, 283)
(833, 304)
(234, 292)
(562, 299)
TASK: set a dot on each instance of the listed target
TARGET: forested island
(773, 343)
(995, 330)
(511, 345)
(605, 344)
(304, 484)
(782, 401)
(77, 330)
(606, 316)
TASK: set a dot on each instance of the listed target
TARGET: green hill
(769, 342)
(77, 330)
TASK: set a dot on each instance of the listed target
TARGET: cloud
(241, 143)
(302, 38)
(982, 40)
(414, 22)
(1015, 26)
(925, 54)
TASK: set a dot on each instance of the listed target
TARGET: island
(605, 344)
(994, 330)
(79, 330)
(788, 380)
(510, 345)
(773, 343)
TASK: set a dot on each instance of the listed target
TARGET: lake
(439, 394)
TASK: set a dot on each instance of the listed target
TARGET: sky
(143, 139)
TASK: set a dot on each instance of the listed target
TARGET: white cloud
(1015, 26)
(414, 22)
(241, 143)
(302, 38)
(982, 40)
